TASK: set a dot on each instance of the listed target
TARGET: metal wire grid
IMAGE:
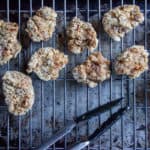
(65, 80)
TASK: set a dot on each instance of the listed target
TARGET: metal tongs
(98, 132)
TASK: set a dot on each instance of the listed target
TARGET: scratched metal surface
(59, 101)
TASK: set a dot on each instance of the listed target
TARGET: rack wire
(58, 101)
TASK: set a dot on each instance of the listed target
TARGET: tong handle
(80, 145)
(98, 110)
(60, 134)
(99, 131)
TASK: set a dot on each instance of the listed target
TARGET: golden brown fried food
(47, 62)
(9, 45)
(122, 19)
(95, 69)
(18, 92)
(132, 62)
(81, 35)
(41, 26)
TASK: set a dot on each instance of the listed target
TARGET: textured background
(59, 101)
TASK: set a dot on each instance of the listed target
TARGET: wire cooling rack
(59, 101)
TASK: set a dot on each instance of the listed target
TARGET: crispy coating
(18, 92)
(122, 19)
(95, 69)
(9, 45)
(41, 26)
(132, 62)
(47, 62)
(81, 35)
